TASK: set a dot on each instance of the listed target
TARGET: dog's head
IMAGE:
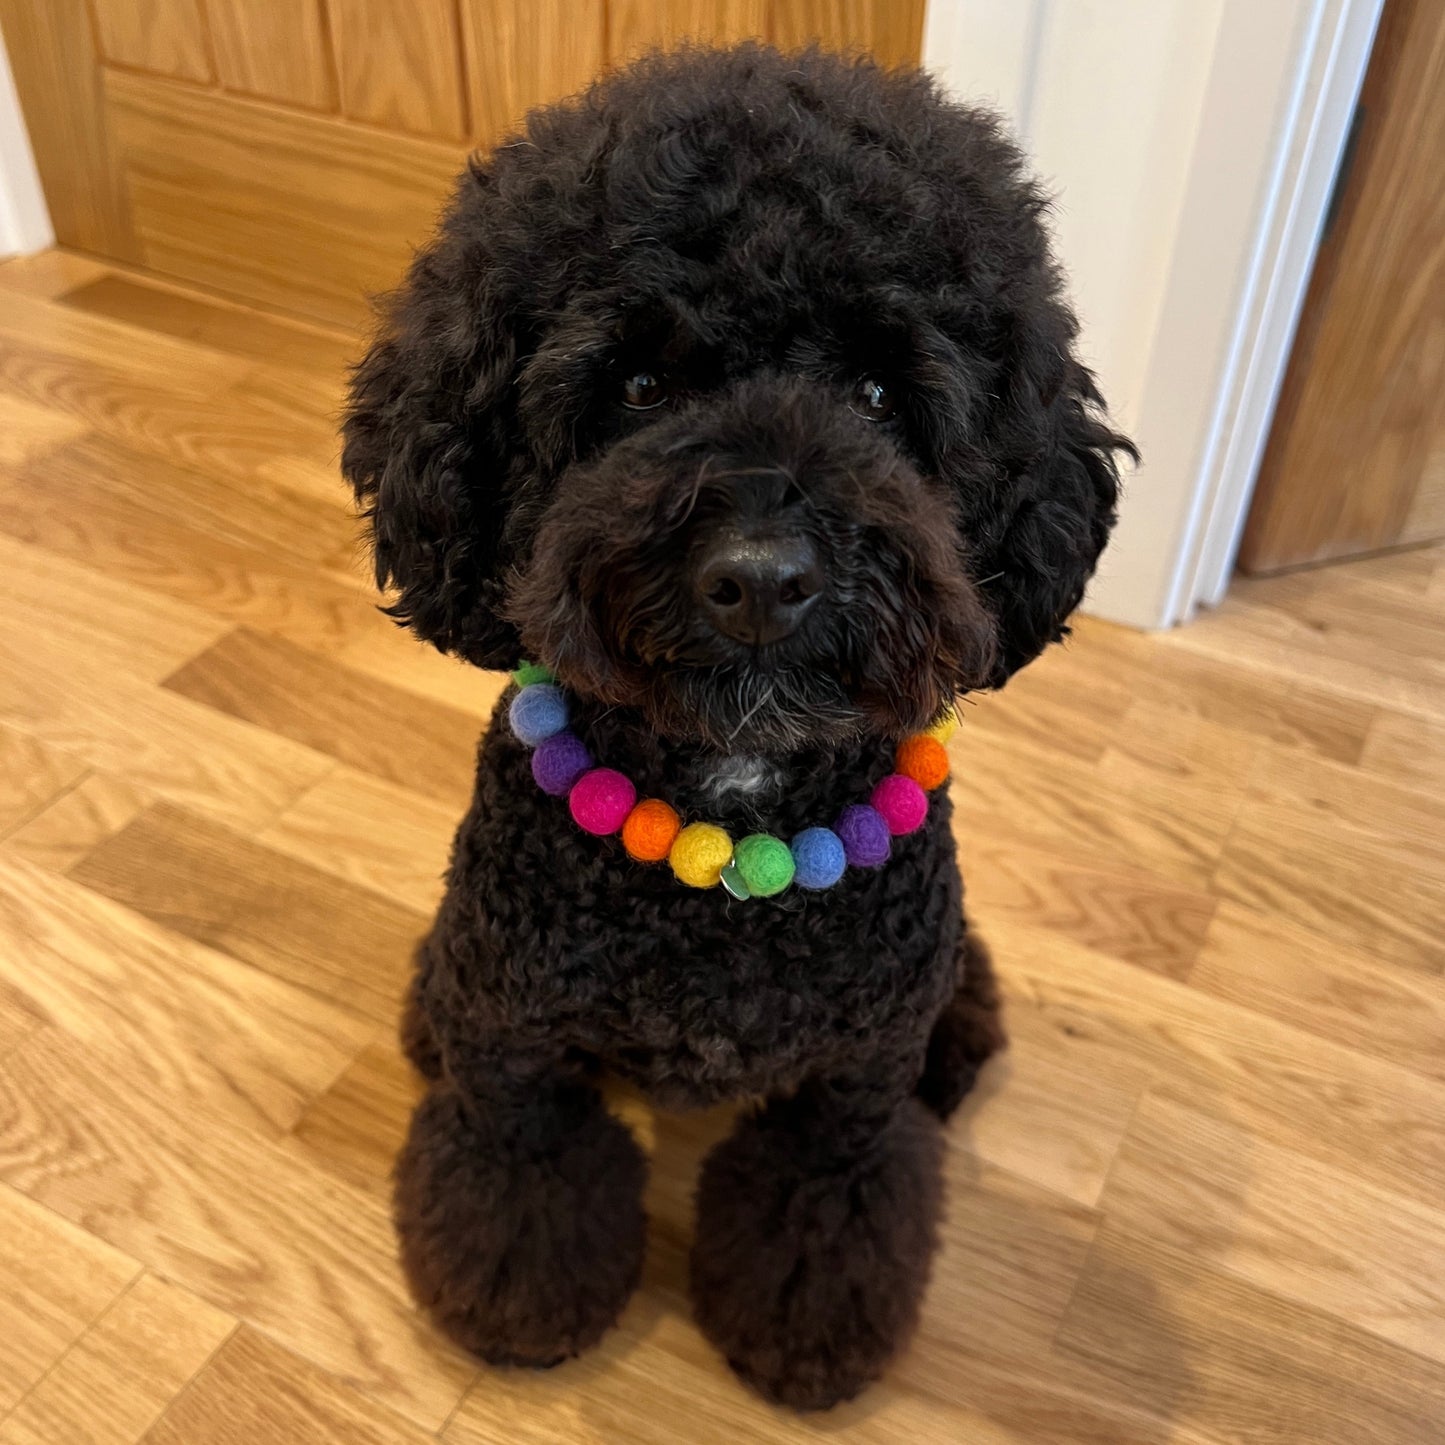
(741, 391)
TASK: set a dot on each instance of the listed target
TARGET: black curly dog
(739, 390)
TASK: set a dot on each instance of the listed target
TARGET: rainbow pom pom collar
(702, 855)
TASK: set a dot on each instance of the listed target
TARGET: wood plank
(202, 1028)
(524, 53)
(1235, 1362)
(357, 1126)
(392, 655)
(156, 740)
(1262, 962)
(85, 614)
(175, 367)
(1375, 644)
(1408, 750)
(285, 917)
(394, 735)
(87, 511)
(263, 516)
(297, 211)
(28, 430)
(1130, 914)
(224, 433)
(208, 321)
(888, 29)
(1329, 1103)
(372, 833)
(255, 1390)
(276, 49)
(49, 274)
(1175, 826)
(401, 68)
(114, 1382)
(1341, 852)
(57, 1279)
(1326, 1238)
(58, 836)
(52, 54)
(226, 1214)
(32, 775)
(166, 37)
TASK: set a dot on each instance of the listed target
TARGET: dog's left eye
(872, 400)
(644, 390)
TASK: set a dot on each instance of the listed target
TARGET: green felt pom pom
(766, 864)
(530, 672)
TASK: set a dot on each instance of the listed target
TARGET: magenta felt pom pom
(559, 762)
(903, 804)
(864, 835)
(601, 800)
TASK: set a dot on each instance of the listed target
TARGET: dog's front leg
(817, 1220)
(518, 1204)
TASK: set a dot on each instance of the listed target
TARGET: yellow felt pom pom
(944, 728)
(699, 854)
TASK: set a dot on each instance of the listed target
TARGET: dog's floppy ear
(428, 435)
(1059, 453)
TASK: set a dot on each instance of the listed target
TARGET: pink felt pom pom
(601, 800)
(903, 804)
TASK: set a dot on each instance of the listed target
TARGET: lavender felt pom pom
(537, 713)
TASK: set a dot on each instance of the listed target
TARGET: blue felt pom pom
(818, 858)
(537, 713)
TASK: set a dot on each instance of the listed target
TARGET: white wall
(1159, 125)
(24, 219)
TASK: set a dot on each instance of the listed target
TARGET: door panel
(1356, 456)
(634, 26)
(294, 152)
(518, 57)
(401, 70)
(164, 36)
(274, 49)
(283, 207)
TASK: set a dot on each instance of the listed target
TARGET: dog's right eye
(643, 390)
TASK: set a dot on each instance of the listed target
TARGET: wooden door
(1356, 458)
(292, 152)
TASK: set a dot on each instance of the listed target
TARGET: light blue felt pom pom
(537, 713)
(818, 858)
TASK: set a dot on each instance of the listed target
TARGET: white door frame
(24, 217)
(1192, 147)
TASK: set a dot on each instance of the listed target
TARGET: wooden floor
(1202, 1200)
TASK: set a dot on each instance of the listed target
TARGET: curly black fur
(758, 233)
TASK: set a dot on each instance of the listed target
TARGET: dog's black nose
(757, 589)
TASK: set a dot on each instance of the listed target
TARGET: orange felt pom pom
(923, 759)
(649, 830)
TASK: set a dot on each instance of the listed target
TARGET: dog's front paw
(810, 1264)
(524, 1245)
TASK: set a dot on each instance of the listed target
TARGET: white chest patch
(742, 776)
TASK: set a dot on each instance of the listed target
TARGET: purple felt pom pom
(559, 762)
(864, 835)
